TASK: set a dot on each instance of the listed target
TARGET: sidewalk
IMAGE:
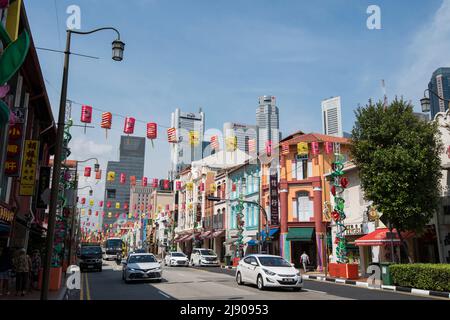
(36, 294)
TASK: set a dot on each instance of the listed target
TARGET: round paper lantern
(100, 203)
(117, 205)
(125, 205)
(214, 142)
(178, 184)
(123, 178)
(111, 176)
(152, 130)
(166, 184)
(108, 204)
(86, 114)
(328, 147)
(172, 135)
(315, 148)
(91, 202)
(98, 175)
(106, 120)
(96, 213)
(144, 181)
(133, 180)
(87, 171)
(202, 187)
(129, 125)
(89, 212)
(83, 200)
(155, 183)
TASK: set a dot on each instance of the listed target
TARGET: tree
(397, 155)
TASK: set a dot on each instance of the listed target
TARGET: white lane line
(165, 295)
(321, 292)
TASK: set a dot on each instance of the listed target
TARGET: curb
(382, 287)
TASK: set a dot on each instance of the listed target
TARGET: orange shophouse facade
(303, 191)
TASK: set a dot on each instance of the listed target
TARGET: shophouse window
(303, 207)
(301, 167)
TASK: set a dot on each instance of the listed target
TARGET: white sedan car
(141, 266)
(268, 271)
(176, 259)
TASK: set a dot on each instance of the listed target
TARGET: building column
(284, 244)
(319, 226)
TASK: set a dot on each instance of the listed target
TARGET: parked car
(141, 266)
(268, 271)
(90, 257)
(204, 257)
(176, 259)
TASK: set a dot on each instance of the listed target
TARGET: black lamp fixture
(117, 50)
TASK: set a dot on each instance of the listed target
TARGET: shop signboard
(29, 164)
(6, 215)
(273, 189)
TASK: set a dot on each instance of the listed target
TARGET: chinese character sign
(274, 199)
(29, 162)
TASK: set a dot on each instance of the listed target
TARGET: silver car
(141, 266)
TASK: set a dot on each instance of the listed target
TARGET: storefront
(6, 218)
(272, 243)
(302, 240)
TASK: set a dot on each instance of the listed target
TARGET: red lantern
(98, 175)
(124, 215)
(123, 178)
(96, 213)
(152, 130)
(214, 143)
(178, 185)
(328, 147)
(155, 183)
(333, 190)
(103, 214)
(125, 205)
(172, 135)
(315, 148)
(129, 125)
(144, 181)
(87, 171)
(86, 114)
(335, 215)
(166, 184)
(106, 120)
(269, 148)
(117, 215)
(83, 200)
(89, 212)
(202, 187)
(108, 204)
(233, 187)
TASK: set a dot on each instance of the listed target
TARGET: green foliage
(397, 155)
(422, 276)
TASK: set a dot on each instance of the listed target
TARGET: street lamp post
(425, 101)
(117, 55)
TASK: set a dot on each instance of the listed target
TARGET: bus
(112, 247)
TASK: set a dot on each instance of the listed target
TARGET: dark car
(90, 258)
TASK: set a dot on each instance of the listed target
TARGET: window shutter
(295, 212)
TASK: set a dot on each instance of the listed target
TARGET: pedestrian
(5, 270)
(22, 269)
(304, 260)
(29, 280)
(35, 268)
(331, 258)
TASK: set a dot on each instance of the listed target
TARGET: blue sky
(222, 55)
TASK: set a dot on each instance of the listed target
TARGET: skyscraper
(131, 163)
(332, 117)
(440, 84)
(185, 150)
(268, 122)
(243, 133)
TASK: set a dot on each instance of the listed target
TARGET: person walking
(304, 260)
(5, 270)
(35, 268)
(22, 269)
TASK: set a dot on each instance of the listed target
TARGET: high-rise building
(190, 128)
(332, 117)
(244, 133)
(131, 163)
(268, 122)
(440, 84)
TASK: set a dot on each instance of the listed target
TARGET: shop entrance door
(297, 249)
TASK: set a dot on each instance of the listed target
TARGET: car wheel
(260, 283)
(239, 279)
(297, 289)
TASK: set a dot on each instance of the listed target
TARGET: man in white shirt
(304, 259)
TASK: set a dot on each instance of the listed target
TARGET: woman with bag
(21, 266)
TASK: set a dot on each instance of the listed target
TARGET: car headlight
(268, 272)
(299, 274)
(130, 269)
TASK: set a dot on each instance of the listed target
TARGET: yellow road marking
(81, 286)
(88, 293)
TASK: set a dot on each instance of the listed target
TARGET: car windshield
(273, 262)
(142, 259)
(114, 243)
(207, 252)
(91, 250)
(178, 254)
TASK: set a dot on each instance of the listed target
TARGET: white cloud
(428, 50)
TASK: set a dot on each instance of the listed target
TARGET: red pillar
(319, 226)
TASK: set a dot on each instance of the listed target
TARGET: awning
(252, 242)
(379, 238)
(183, 238)
(206, 234)
(216, 234)
(300, 234)
(272, 232)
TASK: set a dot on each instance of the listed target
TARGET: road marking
(81, 287)
(88, 293)
(165, 295)
(321, 292)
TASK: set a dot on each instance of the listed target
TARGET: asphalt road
(212, 284)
